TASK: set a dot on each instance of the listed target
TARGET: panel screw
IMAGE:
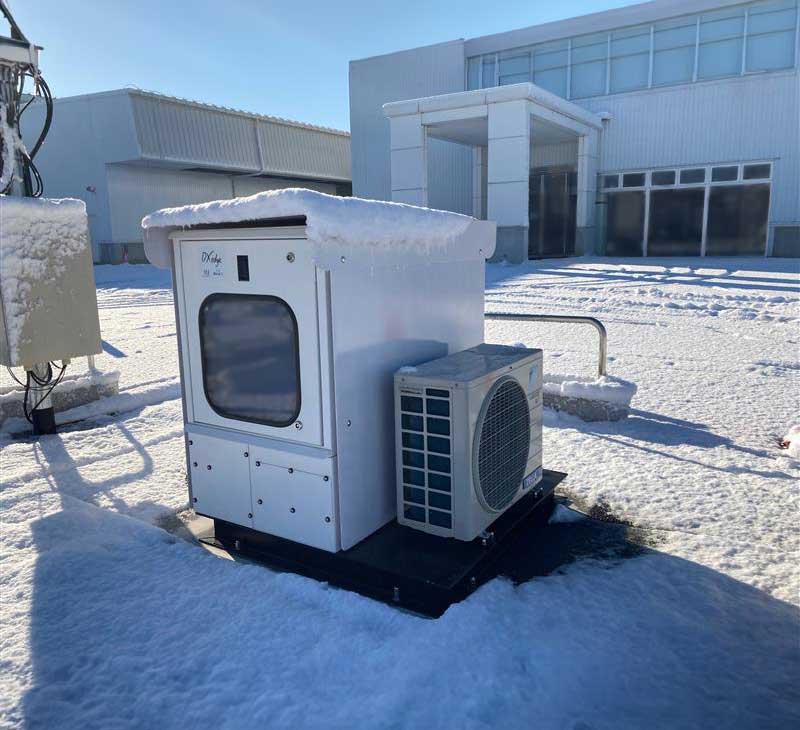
(473, 582)
(236, 545)
(191, 442)
(325, 479)
(261, 501)
(258, 463)
(292, 510)
(194, 499)
(291, 471)
(194, 463)
(298, 425)
(327, 519)
(250, 515)
(348, 423)
(290, 257)
(209, 467)
(343, 259)
(396, 594)
(246, 454)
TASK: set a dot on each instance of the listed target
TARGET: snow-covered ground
(108, 621)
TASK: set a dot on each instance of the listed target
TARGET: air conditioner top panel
(471, 366)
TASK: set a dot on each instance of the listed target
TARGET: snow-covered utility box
(47, 290)
(469, 438)
(294, 311)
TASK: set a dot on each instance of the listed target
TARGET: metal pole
(602, 362)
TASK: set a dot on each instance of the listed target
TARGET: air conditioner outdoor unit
(468, 438)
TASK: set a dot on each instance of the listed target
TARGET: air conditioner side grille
(502, 440)
(426, 432)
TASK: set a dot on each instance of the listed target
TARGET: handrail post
(602, 360)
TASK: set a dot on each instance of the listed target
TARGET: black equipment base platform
(402, 566)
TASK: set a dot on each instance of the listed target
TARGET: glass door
(552, 204)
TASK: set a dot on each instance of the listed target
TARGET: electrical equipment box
(468, 438)
(47, 289)
(294, 311)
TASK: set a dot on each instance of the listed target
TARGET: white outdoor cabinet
(289, 336)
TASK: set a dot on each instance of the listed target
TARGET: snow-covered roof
(335, 226)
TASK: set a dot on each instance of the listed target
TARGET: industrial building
(665, 128)
(128, 152)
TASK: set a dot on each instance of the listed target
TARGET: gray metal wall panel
(136, 190)
(297, 151)
(411, 74)
(729, 120)
(556, 154)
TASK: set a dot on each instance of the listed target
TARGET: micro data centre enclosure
(294, 311)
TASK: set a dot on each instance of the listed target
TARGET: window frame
(707, 184)
(203, 358)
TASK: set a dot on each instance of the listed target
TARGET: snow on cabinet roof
(334, 225)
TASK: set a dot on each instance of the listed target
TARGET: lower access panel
(220, 478)
(295, 505)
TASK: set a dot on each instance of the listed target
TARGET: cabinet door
(295, 505)
(220, 474)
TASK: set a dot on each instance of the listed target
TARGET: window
(663, 177)
(487, 72)
(625, 224)
(550, 67)
(630, 59)
(250, 361)
(676, 222)
(724, 174)
(610, 181)
(721, 38)
(695, 175)
(633, 180)
(673, 51)
(737, 220)
(589, 55)
(474, 73)
(770, 35)
(514, 67)
(756, 172)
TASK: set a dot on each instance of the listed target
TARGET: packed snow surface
(109, 621)
(331, 222)
(38, 238)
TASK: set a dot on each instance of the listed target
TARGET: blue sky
(283, 58)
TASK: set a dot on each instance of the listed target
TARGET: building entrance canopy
(503, 126)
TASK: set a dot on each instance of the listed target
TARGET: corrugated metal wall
(729, 120)
(178, 131)
(425, 71)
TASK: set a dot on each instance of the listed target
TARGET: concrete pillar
(479, 177)
(409, 164)
(585, 235)
(508, 174)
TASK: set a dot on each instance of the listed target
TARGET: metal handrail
(563, 319)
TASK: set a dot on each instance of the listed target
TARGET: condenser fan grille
(502, 439)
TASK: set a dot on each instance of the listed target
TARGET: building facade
(665, 128)
(127, 153)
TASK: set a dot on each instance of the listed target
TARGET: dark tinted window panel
(438, 445)
(440, 519)
(786, 241)
(610, 181)
(737, 220)
(625, 224)
(437, 392)
(439, 463)
(724, 174)
(412, 476)
(438, 407)
(413, 512)
(755, 172)
(410, 404)
(414, 458)
(439, 425)
(413, 441)
(249, 351)
(438, 500)
(439, 481)
(411, 494)
(633, 180)
(676, 222)
(689, 177)
(663, 177)
(243, 268)
(411, 423)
